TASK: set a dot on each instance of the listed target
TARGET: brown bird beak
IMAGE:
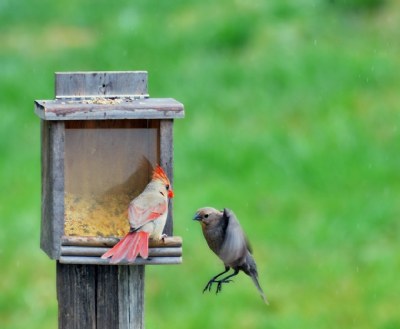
(197, 217)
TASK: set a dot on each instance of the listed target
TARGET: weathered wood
(166, 161)
(100, 297)
(76, 294)
(131, 297)
(88, 250)
(107, 308)
(99, 241)
(52, 145)
(110, 84)
(98, 251)
(139, 261)
(106, 109)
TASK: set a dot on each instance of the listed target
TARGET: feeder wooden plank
(139, 261)
(106, 83)
(98, 251)
(105, 109)
(166, 160)
(98, 241)
(52, 136)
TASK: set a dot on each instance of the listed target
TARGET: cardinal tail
(129, 247)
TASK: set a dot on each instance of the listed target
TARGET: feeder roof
(101, 108)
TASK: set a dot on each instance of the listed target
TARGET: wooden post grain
(100, 297)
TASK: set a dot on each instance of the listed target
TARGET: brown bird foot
(209, 285)
(214, 280)
(219, 285)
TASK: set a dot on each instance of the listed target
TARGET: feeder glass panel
(107, 164)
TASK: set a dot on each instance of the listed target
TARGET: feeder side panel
(52, 136)
(166, 161)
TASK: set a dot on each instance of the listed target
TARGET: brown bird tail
(254, 277)
(251, 270)
(129, 247)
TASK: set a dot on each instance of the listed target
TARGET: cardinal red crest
(159, 173)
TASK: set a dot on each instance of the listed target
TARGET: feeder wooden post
(92, 294)
(100, 297)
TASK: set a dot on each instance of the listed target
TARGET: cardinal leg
(225, 280)
(209, 284)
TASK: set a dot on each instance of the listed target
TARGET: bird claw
(219, 285)
(163, 236)
(208, 286)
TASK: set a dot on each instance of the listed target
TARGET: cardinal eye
(167, 187)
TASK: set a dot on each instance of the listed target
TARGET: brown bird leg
(225, 280)
(209, 284)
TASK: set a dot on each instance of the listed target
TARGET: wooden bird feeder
(101, 137)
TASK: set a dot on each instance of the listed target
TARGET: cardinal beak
(170, 194)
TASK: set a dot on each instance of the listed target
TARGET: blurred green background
(292, 120)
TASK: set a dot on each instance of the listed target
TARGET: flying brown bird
(227, 240)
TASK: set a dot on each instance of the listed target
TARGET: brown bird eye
(206, 216)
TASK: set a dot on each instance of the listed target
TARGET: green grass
(292, 120)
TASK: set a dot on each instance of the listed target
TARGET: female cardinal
(226, 239)
(147, 217)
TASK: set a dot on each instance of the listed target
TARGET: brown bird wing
(235, 246)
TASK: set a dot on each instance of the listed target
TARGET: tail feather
(122, 250)
(251, 270)
(133, 244)
(118, 247)
(257, 284)
(133, 248)
(144, 246)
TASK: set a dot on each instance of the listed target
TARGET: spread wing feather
(235, 246)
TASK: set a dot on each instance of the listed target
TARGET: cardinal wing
(145, 209)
